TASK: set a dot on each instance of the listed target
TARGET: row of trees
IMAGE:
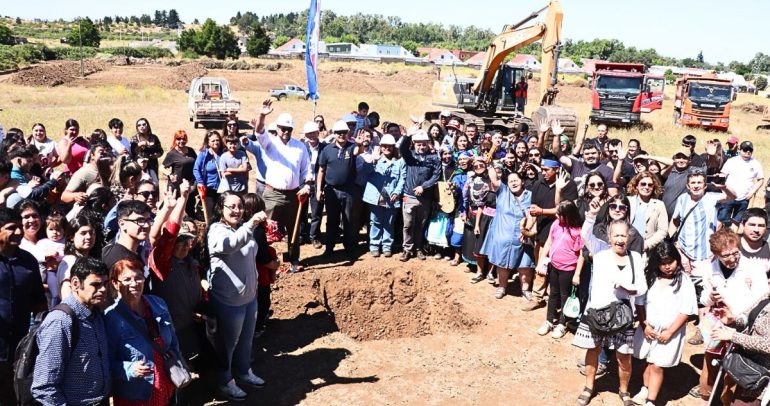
(220, 42)
(162, 18)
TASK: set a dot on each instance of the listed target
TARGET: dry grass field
(439, 340)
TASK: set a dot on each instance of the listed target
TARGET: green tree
(258, 42)
(211, 40)
(107, 21)
(145, 20)
(172, 21)
(18, 21)
(196, 22)
(89, 35)
(761, 82)
(279, 40)
(6, 35)
(699, 58)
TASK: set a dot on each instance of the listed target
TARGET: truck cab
(210, 102)
(621, 92)
(703, 102)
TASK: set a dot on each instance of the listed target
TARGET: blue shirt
(698, 227)
(339, 164)
(640, 216)
(21, 290)
(205, 170)
(237, 182)
(387, 179)
(80, 376)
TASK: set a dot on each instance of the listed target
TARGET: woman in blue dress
(503, 245)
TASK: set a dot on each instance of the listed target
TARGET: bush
(13, 56)
(190, 54)
(143, 52)
(761, 82)
(73, 53)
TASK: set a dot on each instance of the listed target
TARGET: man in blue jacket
(422, 173)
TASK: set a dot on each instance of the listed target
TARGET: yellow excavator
(488, 101)
(765, 118)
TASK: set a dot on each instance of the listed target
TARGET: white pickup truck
(289, 91)
(210, 101)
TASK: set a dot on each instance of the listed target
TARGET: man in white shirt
(288, 174)
(755, 250)
(744, 177)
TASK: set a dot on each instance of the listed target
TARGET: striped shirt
(78, 377)
(698, 226)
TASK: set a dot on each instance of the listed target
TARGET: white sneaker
(559, 331)
(641, 397)
(251, 380)
(545, 328)
(232, 391)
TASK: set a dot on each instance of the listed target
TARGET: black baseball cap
(747, 146)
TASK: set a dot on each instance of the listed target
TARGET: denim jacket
(387, 179)
(202, 176)
(127, 346)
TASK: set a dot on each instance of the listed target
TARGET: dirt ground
(379, 332)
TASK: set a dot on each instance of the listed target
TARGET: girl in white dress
(663, 312)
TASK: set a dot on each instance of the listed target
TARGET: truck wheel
(195, 124)
(281, 96)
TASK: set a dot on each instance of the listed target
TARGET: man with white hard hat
(288, 174)
(312, 232)
(422, 172)
(336, 185)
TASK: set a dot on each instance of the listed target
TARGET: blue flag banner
(311, 48)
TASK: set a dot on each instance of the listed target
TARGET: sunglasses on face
(618, 207)
(535, 154)
(181, 139)
(479, 166)
(147, 194)
(286, 129)
(596, 185)
(232, 124)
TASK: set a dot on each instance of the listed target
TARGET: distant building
(464, 55)
(292, 47)
(390, 51)
(525, 61)
(589, 65)
(440, 56)
(242, 43)
(477, 60)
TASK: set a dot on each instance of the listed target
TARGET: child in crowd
(562, 253)
(663, 312)
(234, 166)
(147, 172)
(53, 248)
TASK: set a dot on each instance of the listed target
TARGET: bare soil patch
(377, 303)
(56, 73)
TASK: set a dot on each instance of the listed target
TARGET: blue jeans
(731, 212)
(235, 331)
(381, 228)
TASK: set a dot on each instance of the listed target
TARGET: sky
(680, 28)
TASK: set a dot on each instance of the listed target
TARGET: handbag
(173, 363)
(738, 363)
(571, 307)
(615, 317)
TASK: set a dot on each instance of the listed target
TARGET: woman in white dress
(663, 314)
(618, 274)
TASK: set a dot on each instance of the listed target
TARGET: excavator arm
(515, 37)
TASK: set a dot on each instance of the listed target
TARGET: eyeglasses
(646, 184)
(141, 124)
(479, 166)
(734, 254)
(147, 194)
(535, 154)
(596, 185)
(748, 151)
(132, 281)
(340, 133)
(285, 129)
(141, 222)
(181, 139)
(235, 207)
(618, 207)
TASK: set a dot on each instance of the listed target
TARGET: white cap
(387, 139)
(420, 136)
(285, 120)
(310, 127)
(272, 127)
(340, 125)
(445, 113)
(349, 118)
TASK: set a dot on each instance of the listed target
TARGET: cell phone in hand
(716, 179)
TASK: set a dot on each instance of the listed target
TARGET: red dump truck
(622, 91)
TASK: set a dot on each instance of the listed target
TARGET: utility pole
(80, 38)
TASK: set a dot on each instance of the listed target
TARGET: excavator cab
(510, 76)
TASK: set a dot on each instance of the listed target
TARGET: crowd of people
(134, 276)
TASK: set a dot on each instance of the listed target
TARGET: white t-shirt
(740, 290)
(741, 175)
(606, 274)
(118, 146)
(46, 150)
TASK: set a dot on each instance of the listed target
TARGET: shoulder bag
(675, 236)
(738, 362)
(174, 364)
(613, 318)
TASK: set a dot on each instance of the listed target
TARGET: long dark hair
(440, 132)
(219, 206)
(663, 253)
(569, 213)
(588, 176)
(208, 135)
(149, 128)
(83, 220)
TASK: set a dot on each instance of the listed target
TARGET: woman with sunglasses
(230, 127)
(647, 213)
(323, 132)
(233, 280)
(476, 194)
(615, 209)
(145, 141)
(206, 168)
(534, 156)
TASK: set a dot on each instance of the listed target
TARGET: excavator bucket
(566, 116)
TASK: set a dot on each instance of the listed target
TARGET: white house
(440, 56)
(525, 61)
(293, 47)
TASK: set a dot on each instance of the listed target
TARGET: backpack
(27, 351)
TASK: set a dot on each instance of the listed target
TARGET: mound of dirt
(752, 108)
(179, 78)
(374, 304)
(56, 73)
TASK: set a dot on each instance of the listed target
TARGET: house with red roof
(525, 61)
(292, 47)
(477, 60)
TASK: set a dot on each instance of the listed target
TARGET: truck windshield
(619, 84)
(713, 93)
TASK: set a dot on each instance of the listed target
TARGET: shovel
(293, 241)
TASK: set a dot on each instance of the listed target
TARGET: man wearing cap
(288, 175)
(544, 210)
(732, 148)
(453, 129)
(312, 232)
(677, 169)
(443, 119)
(744, 178)
(336, 185)
(422, 172)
